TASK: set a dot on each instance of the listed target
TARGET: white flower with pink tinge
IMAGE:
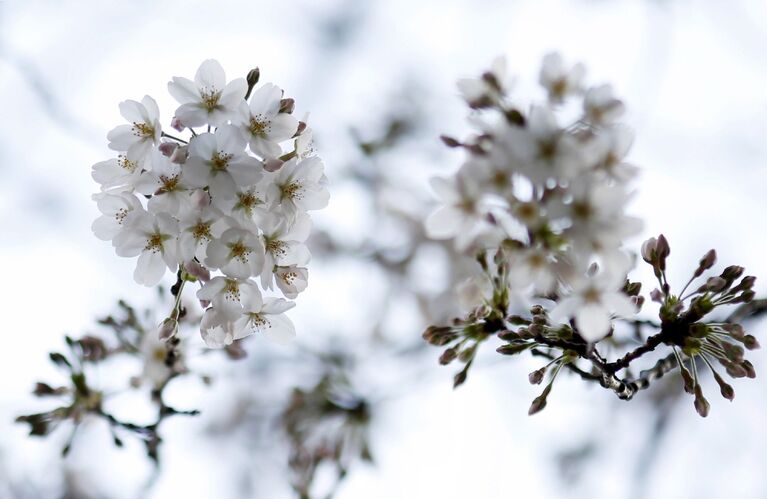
(593, 302)
(209, 99)
(238, 253)
(143, 132)
(300, 186)
(225, 294)
(116, 209)
(153, 239)
(265, 316)
(462, 216)
(219, 161)
(263, 124)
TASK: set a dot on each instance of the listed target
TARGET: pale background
(693, 74)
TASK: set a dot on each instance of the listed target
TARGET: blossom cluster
(544, 190)
(231, 195)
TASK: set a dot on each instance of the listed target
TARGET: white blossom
(263, 124)
(300, 186)
(153, 240)
(143, 132)
(220, 162)
(265, 316)
(238, 253)
(115, 208)
(209, 99)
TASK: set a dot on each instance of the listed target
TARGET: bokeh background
(378, 79)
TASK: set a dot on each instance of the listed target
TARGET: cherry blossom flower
(165, 184)
(153, 240)
(300, 186)
(220, 162)
(216, 329)
(291, 280)
(284, 244)
(225, 294)
(462, 217)
(238, 253)
(208, 99)
(119, 172)
(560, 81)
(143, 132)
(263, 123)
(115, 208)
(265, 316)
(594, 300)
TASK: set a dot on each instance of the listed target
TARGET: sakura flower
(119, 172)
(291, 280)
(300, 186)
(208, 99)
(115, 209)
(143, 132)
(558, 80)
(238, 253)
(198, 227)
(594, 300)
(225, 293)
(485, 91)
(165, 184)
(284, 244)
(219, 161)
(533, 267)
(305, 144)
(249, 203)
(462, 215)
(216, 329)
(610, 150)
(543, 148)
(601, 107)
(153, 239)
(265, 316)
(263, 123)
(153, 351)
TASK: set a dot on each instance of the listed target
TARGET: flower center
(276, 247)
(120, 215)
(258, 125)
(169, 184)
(232, 290)
(220, 161)
(210, 99)
(142, 129)
(292, 190)
(239, 251)
(154, 242)
(591, 295)
(126, 164)
(247, 201)
(258, 321)
(201, 231)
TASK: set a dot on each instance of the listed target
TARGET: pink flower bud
(273, 164)
(167, 148)
(195, 269)
(176, 123)
(167, 329)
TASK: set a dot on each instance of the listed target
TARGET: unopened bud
(715, 284)
(539, 403)
(197, 270)
(750, 342)
(656, 295)
(649, 250)
(731, 273)
(536, 376)
(301, 128)
(450, 141)
(253, 76)
(467, 353)
(287, 105)
(177, 125)
(448, 356)
(179, 155)
(708, 261)
(701, 404)
(459, 379)
(167, 148)
(749, 368)
(167, 329)
(725, 389)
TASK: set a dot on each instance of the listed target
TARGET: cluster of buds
(695, 341)
(541, 207)
(230, 195)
